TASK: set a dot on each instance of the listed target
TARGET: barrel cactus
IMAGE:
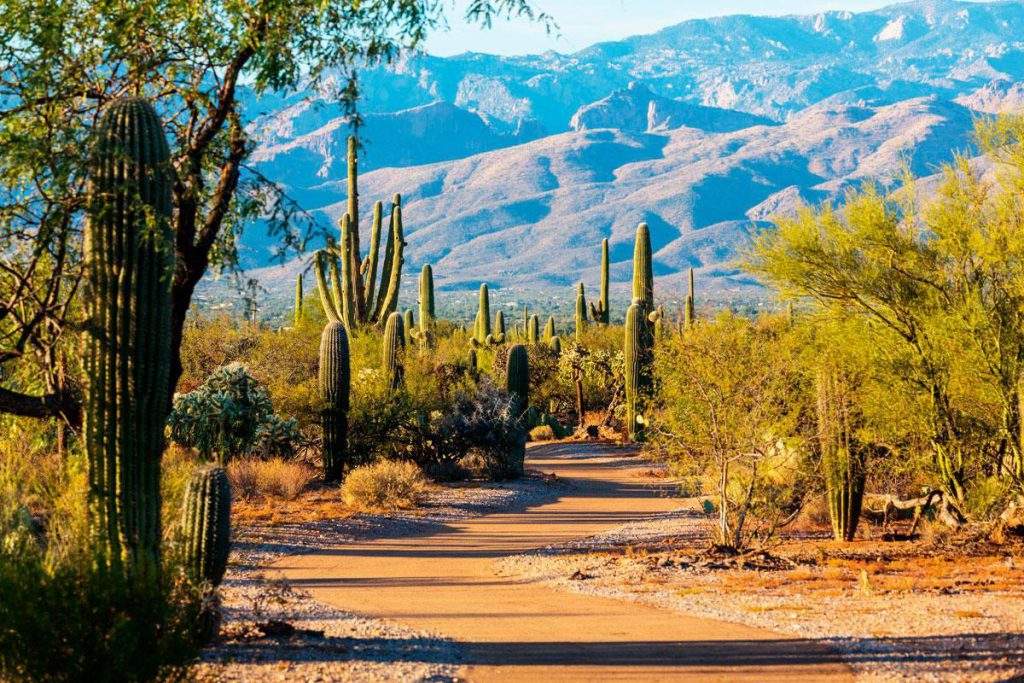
(129, 262)
(392, 350)
(206, 524)
(334, 384)
(599, 312)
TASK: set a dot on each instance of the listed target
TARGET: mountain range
(513, 169)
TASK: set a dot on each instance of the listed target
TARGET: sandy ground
(443, 581)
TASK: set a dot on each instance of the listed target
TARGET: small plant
(275, 478)
(384, 486)
(542, 433)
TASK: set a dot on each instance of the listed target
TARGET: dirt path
(512, 630)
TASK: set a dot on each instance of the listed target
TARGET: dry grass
(275, 478)
(384, 486)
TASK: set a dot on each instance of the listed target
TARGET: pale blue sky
(584, 22)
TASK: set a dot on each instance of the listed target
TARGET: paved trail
(512, 630)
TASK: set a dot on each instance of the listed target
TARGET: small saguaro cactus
(690, 316)
(472, 362)
(600, 312)
(556, 345)
(334, 382)
(498, 336)
(423, 333)
(206, 524)
(482, 326)
(657, 318)
(353, 296)
(633, 350)
(581, 313)
(844, 457)
(408, 326)
(299, 295)
(517, 378)
(128, 258)
(549, 328)
(393, 347)
(533, 330)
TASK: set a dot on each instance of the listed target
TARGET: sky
(584, 22)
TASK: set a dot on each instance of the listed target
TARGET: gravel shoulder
(273, 631)
(967, 624)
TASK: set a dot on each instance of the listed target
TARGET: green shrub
(230, 415)
(384, 486)
(542, 433)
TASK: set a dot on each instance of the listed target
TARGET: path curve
(514, 630)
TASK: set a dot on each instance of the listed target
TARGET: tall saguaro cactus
(581, 313)
(335, 378)
(129, 263)
(600, 312)
(354, 295)
(533, 330)
(517, 378)
(206, 523)
(643, 272)
(482, 325)
(392, 349)
(690, 317)
(633, 351)
(549, 329)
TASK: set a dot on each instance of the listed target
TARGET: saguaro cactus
(393, 347)
(298, 300)
(533, 330)
(424, 333)
(206, 523)
(581, 313)
(335, 379)
(498, 336)
(600, 312)
(634, 351)
(690, 316)
(517, 378)
(353, 295)
(843, 457)
(129, 263)
(482, 326)
(556, 345)
(643, 273)
(549, 328)
(408, 326)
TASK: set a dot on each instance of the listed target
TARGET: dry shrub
(384, 486)
(276, 478)
(542, 433)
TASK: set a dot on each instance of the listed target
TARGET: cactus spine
(533, 329)
(633, 350)
(335, 379)
(581, 313)
(206, 523)
(843, 456)
(549, 328)
(298, 300)
(129, 263)
(354, 296)
(600, 312)
(517, 378)
(392, 349)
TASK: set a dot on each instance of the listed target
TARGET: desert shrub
(276, 477)
(230, 415)
(384, 486)
(542, 433)
(482, 433)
